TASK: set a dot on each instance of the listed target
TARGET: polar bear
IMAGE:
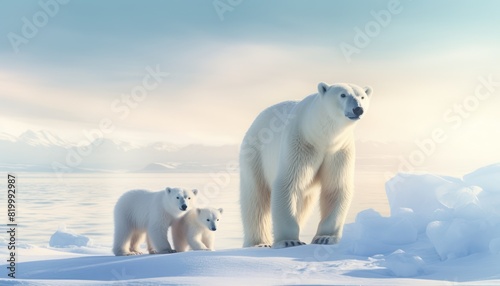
(141, 211)
(196, 229)
(293, 153)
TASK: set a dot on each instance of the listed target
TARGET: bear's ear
(168, 189)
(368, 91)
(322, 88)
(221, 210)
(195, 191)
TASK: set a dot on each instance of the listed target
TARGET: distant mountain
(41, 138)
(43, 151)
(7, 137)
(158, 168)
(155, 167)
(31, 149)
(163, 146)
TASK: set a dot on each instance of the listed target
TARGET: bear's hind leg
(123, 233)
(255, 200)
(151, 248)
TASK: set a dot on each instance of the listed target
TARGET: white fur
(293, 153)
(196, 229)
(139, 211)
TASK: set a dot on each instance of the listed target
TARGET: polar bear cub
(196, 229)
(140, 211)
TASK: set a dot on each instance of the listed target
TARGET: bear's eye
(208, 219)
(362, 97)
(342, 95)
(217, 219)
(177, 197)
(189, 198)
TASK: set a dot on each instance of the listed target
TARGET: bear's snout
(358, 111)
(213, 228)
(184, 207)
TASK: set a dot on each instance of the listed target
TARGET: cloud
(222, 74)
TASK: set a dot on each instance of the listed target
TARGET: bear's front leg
(157, 235)
(297, 170)
(209, 240)
(337, 182)
(285, 225)
(196, 243)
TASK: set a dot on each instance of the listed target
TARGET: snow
(374, 234)
(458, 237)
(423, 194)
(495, 245)
(402, 264)
(488, 178)
(441, 230)
(66, 238)
(460, 217)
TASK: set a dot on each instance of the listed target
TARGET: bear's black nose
(214, 228)
(184, 207)
(358, 111)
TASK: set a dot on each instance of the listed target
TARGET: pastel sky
(422, 58)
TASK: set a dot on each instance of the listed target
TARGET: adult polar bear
(284, 168)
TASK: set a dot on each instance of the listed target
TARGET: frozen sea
(83, 203)
(441, 230)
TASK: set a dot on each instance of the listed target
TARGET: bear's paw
(132, 253)
(288, 243)
(165, 251)
(325, 239)
(203, 249)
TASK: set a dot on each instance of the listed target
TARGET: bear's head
(180, 199)
(345, 99)
(209, 217)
